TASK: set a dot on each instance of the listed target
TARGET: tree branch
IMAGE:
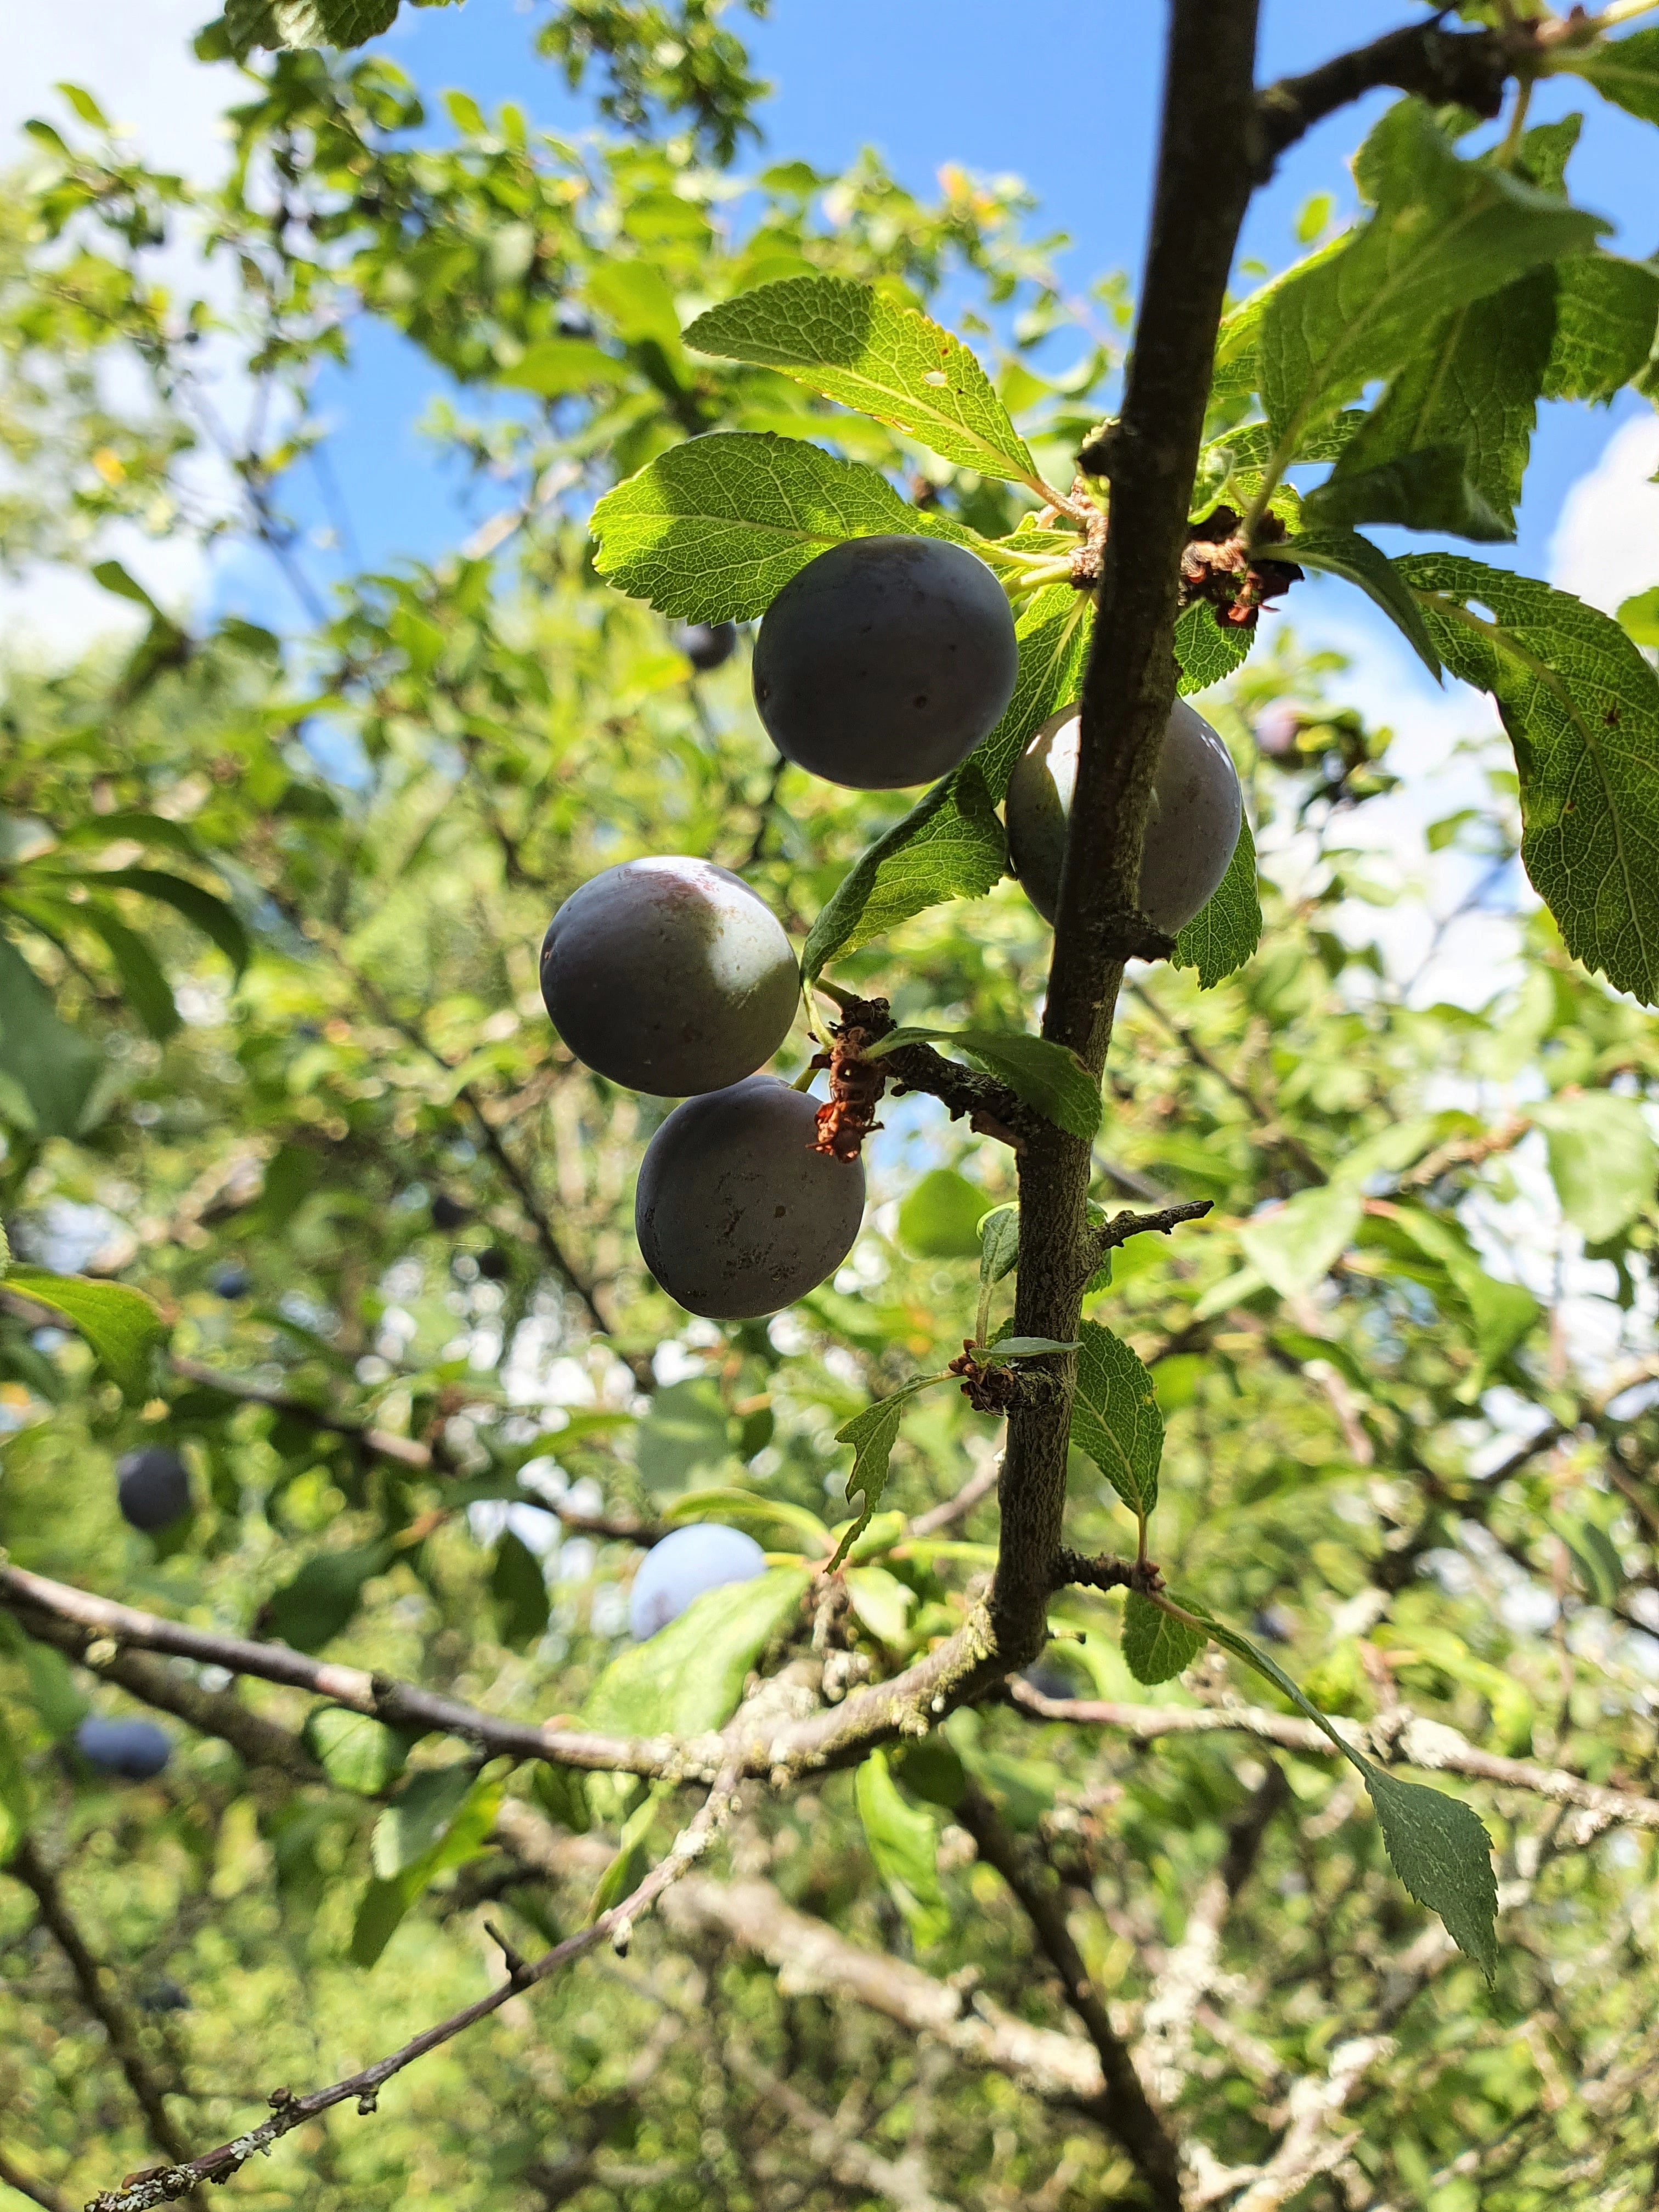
(906, 1704)
(1122, 1226)
(364, 2087)
(1402, 1738)
(1461, 69)
(1206, 159)
(1125, 2110)
(102, 2000)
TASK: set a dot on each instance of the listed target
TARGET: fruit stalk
(1206, 156)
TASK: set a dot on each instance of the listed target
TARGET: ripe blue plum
(707, 645)
(669, 976)
(885, 661)
(152, 1487)
(683, 1566)
(448, 1212)
(231, 1283)
(1190, 834)
(136, 1751)
(736, 1214)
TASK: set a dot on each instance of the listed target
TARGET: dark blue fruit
(736, 1214)
(1191, 833)
(669, 976)
(231, 1283)
(683, 1566)
(885, 661)
(493, 1265)
(707, 645)
(135, 1750)
(448, 1212)
(152, 1487)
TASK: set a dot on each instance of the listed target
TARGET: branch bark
(1463, 69)
(1125, 2110)
(1205, 163)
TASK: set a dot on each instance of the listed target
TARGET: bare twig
(1461, 69)
(1125, 2110)
(946, 1514)
(1122, 1226)
(364, 2087)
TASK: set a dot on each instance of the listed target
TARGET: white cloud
(1606, 546)
(53, 614)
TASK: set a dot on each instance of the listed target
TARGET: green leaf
(1446, 232)
(1581, 709)
(951, 844)
(714, 528)
(736, 1507)
(275, 23)
(940, 1218)
(518, 1588)
(1207, 650)
(1446, 447)
(629, 1869)
(357, 1752)
(419, 1818)
(313, 1607)
(1344, 553)
(145, 988)
(1226, 930)
(1048, 1078)
(855, 346)
(1639, 618)
(1624, 70)
(1440, 1846)
(686, 1428)
(1607, 318)
(120, 1324)
(1156, 1646)
(904, 1844)
(554, 367)
(998, 1244)
(454, 1814)
(15, 1807)
(561, 1792)
(688, 1677)
(1299, 1243)
(54, 1069)
(1603, 1162)
(205, 909)
(872, 1435)
(1115, 1417)
(881, 1601)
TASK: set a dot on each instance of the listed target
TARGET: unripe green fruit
(1191, 831)
(885, 661)
(736, 1214)
(669, 976)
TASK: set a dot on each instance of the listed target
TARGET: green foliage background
(1407, 1434)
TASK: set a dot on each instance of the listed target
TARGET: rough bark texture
(1206, 158)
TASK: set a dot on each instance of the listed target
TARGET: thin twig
(1461, 69)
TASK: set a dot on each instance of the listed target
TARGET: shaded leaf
(1115, 1417)
(1207, 650)
(356, 1751)
(1299, 1242)
(53, 1070)
(1344, 553)
(1048, 1078)
(939, 1217)
(457, 1828)
(518, 1588)
(1581, 709)
(14, 1794)
(998, 1244)
(903, 1841)
(120, 1324)
(1225, 932)
(1156, 1646)
(205, 909)
(1624, 70)
(872, 1435)
(688, 1677)
(855, 346)
(1602, 1160)
(313, 1607)
(145, 988)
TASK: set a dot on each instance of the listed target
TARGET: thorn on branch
(1105, 1573)
(1122, 1226)
(518, 1970)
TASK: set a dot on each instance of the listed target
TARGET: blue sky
(931, 81)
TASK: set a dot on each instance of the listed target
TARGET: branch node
(518, 1971)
